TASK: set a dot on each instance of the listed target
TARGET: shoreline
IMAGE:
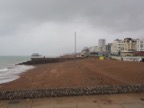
(13, 73)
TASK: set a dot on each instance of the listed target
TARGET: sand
(79, 73)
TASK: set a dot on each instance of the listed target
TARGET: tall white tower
(101, 43)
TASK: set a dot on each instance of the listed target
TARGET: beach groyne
(61, 92)
(35, 61)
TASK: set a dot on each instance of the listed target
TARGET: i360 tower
(101, 43)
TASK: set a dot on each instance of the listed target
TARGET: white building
(140, 45)
(117, 46)
(94, 49)
(123, 47)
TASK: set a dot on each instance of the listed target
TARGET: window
(141, 45)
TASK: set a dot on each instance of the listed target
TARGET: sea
(9, 70)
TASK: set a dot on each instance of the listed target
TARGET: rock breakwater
(35, 61)
(61, 92)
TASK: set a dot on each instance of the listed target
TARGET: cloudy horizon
(48, 26)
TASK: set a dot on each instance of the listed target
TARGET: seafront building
(140, 45)
(94, 49)
(129, 45)
(124, 47)
(104, 49)
(101, 48)
(119, 47)
(108, 48)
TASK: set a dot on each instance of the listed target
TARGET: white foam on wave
(3, 70)
(11, 74)
(7, 79)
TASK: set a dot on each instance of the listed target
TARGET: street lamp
(75, 45)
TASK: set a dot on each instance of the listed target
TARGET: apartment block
(117, 46)
(124, 47)
(140, 45)
(129, 45)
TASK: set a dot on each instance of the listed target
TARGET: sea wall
(61, 92)
(126, 58)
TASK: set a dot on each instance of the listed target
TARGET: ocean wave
(3, 70)
(10, 74)
(7, 79)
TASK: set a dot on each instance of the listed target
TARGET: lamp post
(75, 44)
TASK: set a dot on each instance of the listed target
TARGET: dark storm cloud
(113, 15)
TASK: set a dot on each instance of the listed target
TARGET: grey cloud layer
(114, 15)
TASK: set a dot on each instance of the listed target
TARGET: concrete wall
(116, 57)
(60, 92)
(137, 59)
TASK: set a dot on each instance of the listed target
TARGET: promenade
(97, 101)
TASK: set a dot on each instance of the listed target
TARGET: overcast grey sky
(48, 26)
